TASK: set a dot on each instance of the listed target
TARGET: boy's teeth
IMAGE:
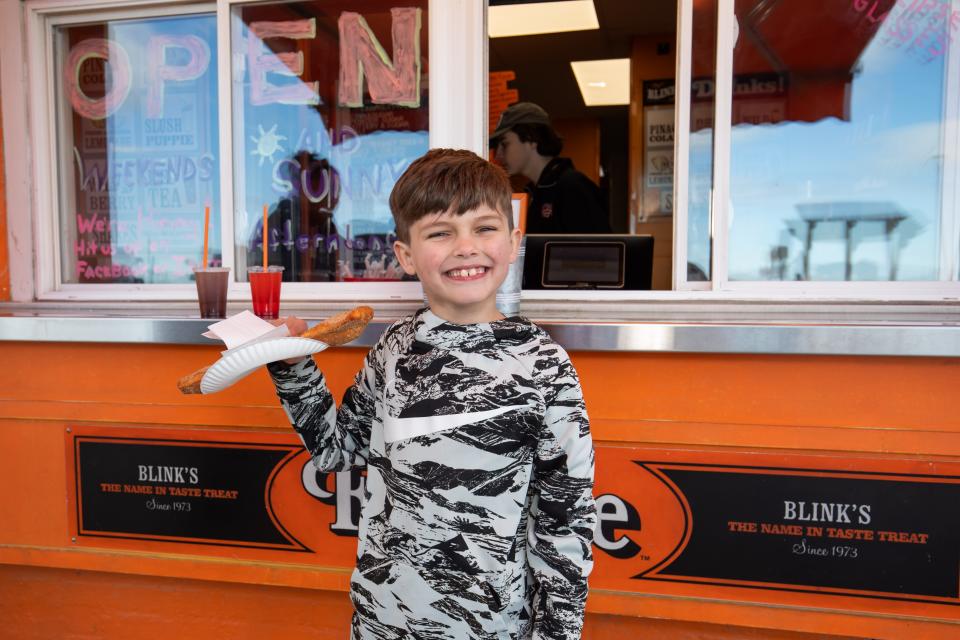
(466, 273)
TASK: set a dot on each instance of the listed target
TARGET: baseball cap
(519, 113)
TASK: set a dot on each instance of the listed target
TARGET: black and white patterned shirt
(478, 515)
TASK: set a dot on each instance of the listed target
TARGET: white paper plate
(228, 369)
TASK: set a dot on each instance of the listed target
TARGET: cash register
(602, 261)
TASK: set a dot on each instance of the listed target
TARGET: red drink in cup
(265, 289)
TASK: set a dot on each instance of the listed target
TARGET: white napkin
(244, 329)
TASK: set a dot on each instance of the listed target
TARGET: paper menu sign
(244, 329)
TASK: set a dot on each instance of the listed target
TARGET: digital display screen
(597, 264)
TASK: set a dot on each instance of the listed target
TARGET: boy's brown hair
(448, 179)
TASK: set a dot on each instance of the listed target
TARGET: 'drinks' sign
(779, 528)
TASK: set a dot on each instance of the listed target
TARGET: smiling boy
(478, 514)
(460, 257)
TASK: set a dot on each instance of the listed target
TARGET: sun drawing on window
(267, 144)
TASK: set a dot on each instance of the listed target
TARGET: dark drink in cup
(265, 290)
(212, 285)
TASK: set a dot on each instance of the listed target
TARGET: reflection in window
(138, 149)
(836, 159)
(330, 107)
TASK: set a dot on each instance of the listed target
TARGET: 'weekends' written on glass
(326, 119)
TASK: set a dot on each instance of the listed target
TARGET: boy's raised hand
(295, 326)
(338, 329)
(335, 330)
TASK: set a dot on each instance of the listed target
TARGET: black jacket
(566, 201)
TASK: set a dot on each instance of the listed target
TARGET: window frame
(51, 167)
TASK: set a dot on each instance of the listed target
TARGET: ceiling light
(541, 17)
(603, 82)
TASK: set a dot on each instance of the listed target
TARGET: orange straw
(265, 237)
(206, 233)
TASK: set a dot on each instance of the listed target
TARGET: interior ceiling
(542, 62)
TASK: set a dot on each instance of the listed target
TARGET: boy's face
(461, 261)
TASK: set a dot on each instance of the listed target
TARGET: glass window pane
(330, 107)
(703, 65)
(137, 149)
(607, 85)
(836, 152)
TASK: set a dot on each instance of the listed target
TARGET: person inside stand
(562, 199)
(478, 515)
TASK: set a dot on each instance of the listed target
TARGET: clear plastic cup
(265, 290)
(508, 295)
(212, 283)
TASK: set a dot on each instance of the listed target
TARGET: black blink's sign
(799, 529)
(180, 491)
(784, 527)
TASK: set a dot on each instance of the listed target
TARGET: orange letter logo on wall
(614, 514)
(396, 82)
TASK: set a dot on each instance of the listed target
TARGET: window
(837, 172)
(816, 154)
(848, 185)
(137, 143)
(816, 157)
(700, 159)
(303, 113)
(325, 122)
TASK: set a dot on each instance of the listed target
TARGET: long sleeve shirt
(478, 513)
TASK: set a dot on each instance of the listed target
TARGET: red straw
(265, 237)
(206, 233)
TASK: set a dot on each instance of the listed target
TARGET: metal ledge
(708, 331)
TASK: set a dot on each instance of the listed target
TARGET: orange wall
(581, 143)
(164, 608)
(834, 405)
